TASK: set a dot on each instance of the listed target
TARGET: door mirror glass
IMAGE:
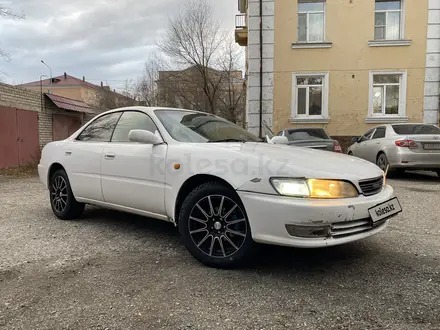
(355, 139)
(143, 136)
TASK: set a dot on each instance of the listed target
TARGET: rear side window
(132, 120)
(101, 129)
(416, 129)
(307, 134)
(380, 133)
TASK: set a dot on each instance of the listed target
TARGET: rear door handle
(68, 153)
(377, 142)
(109, 156)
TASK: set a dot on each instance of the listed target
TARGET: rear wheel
(382, 163)
(64, 204)
(214, 226)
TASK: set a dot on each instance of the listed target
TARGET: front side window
(367, 136)
(388, 20)
(309, 95)
(132, 120)
(196, 127)
(101, 129)
(386, 94)
(311, 21)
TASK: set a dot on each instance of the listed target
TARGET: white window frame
(402, 21)
(295, 117)
(401, 115)
(308, 22)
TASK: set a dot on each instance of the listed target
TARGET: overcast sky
(103, 40)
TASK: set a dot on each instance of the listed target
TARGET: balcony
(241, 30)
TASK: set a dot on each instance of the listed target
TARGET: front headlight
(314, 188)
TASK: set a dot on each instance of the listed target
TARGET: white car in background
(400, 147)
(222, 186)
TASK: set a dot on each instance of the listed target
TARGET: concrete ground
(111, 270)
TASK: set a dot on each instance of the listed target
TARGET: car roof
(149, 110)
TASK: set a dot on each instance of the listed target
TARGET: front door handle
(68, 153)
(377, 142)
(109, 156)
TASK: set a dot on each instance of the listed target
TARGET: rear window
(416, 129)
(307, 134)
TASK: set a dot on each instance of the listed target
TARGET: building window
(310, 95)
(388, 20)
(311, 21)
(387, 94)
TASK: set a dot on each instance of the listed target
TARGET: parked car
(223, 187)
(400, 147)
(315, 138)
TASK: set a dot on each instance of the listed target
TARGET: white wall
(253, 92)
(432, 77)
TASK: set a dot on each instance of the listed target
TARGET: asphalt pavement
(110, 270)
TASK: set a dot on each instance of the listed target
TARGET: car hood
(284, 160)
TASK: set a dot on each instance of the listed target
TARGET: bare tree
(204, 75)
(146, 89)
(7, 13)
(110, 99)
(193, 39)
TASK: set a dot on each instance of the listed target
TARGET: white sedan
(223, 187)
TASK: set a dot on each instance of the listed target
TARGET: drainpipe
(261, 69)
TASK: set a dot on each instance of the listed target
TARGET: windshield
(188, 126)
(307, 134)
(416, 129)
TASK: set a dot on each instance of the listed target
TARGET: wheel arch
(52, 169)
(379, 153)
(190, 184)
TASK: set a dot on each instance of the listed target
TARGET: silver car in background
(401, 147)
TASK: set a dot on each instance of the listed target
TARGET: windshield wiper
(227, 140)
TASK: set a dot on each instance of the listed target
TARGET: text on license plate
(385, 210)
(431, 146)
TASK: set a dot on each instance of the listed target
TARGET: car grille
(371, 186)
(344, 229)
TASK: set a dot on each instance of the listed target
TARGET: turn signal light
(406, 144)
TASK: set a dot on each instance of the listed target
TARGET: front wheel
(215, 228)
(62, 200)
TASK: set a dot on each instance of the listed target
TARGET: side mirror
(144, 136)
(280, 140)
(355, 139)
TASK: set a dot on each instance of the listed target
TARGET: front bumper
(42, 173)
(270, 216)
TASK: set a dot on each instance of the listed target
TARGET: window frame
(141, 112)
(325, 96)
(92, 122)
(402, 21)
(308, 22)
(402, 95)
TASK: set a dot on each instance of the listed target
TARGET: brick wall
(18, 97)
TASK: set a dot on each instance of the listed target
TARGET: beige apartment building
(344, 65)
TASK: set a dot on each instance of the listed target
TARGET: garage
(19, 144)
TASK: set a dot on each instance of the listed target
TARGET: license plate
(431, 146)
(385, 210)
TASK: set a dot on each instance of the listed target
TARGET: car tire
(350, 153)
(62, 200)
(214, 227)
